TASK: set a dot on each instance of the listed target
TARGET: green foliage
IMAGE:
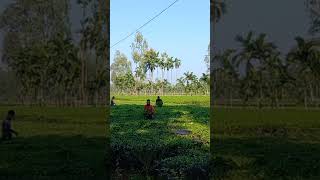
(56, 143)
(314, 13)
(50, 67)
(265, 144)
(258, 72)
(120, 67)
(218, 9)
(148, 61)
(151, 147)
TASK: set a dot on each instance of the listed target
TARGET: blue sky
(183, 31)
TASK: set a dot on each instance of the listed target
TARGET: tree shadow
(134, 112)
(265, 158)
(55, 157)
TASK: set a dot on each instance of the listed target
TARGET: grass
(55, 143)
(151, 147)
(266, 144)
(70, 143)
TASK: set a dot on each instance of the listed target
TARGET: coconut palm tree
(205, 80)
(177, 64)
(275, 79)
(304, 58)
(263, 50)
(151, 59)
(244, 57)
(189, 78)
(226, 60)
(180, 85)
(217, 9)
(254, 54)
(162, 65)
(169, 66)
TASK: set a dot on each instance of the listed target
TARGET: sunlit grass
(152, 146)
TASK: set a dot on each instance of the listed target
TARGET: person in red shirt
(149, 110)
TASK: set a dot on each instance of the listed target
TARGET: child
(6, 126)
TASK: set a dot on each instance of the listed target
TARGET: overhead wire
(149, 21)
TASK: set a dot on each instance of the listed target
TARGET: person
(113, 103)
(7, 131)
(159, 102)
(149, 110)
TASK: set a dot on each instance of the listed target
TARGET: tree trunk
(231, 93)
(212, 36)
(171, 77)
(277, 99)
(157, 73)
(86, 82)
(96, 98)
(317, 96)
(162, 85)
(151, 82)
(305, 99)
(82, 95)
(225, 98)
(311, 93)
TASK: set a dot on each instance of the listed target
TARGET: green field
(55, 143)
(266, 144)
(151, 147)
(70, 143)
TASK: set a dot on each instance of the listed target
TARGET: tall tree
(314, 8)
(254, 54)
(139, 47)
(177, 64)
(305, 57)
(150, 60)
(217, 9)
(120, 66)
(83, 49)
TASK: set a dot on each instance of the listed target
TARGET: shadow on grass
(55, 157)
(134, 112)
(151, 148)
(264, 158)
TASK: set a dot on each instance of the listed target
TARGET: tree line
(139, 78)
(258, 74)
(47, 61)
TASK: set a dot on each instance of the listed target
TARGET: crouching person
(149, 111)
(159, 102)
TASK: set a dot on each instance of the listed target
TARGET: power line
(145, 23)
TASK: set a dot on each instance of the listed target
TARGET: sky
(183, 31)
